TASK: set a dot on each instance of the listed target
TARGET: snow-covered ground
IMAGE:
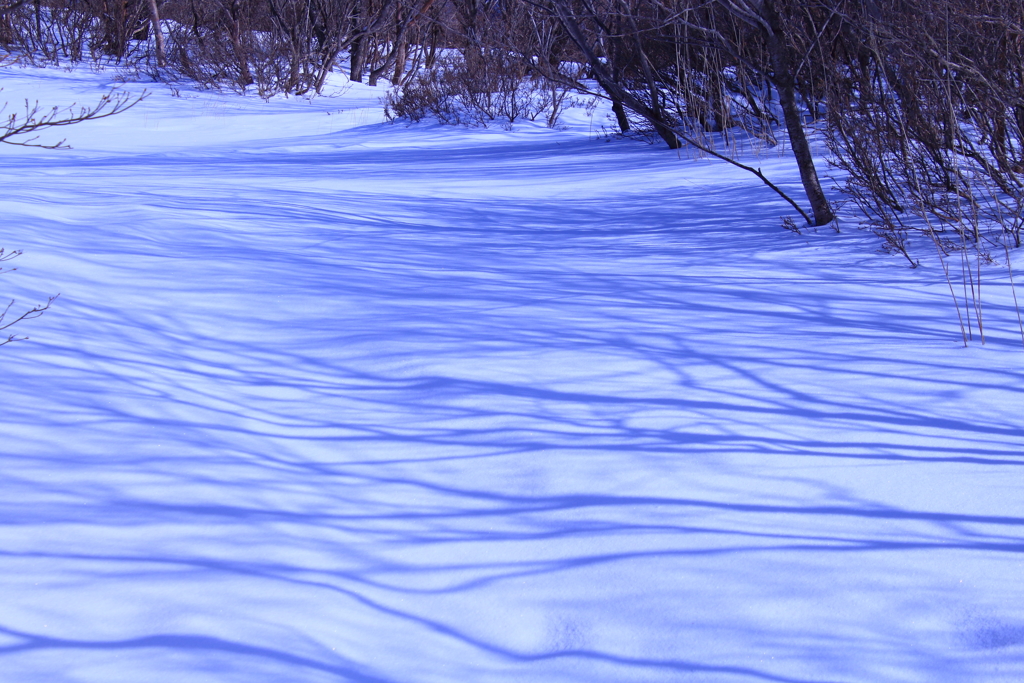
(326, 399)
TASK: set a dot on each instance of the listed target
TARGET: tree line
(920, 102)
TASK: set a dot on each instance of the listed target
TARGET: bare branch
(37, 118)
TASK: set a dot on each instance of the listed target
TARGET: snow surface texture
(326, 399)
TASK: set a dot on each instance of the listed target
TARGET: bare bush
(494, 89)
(926, 114)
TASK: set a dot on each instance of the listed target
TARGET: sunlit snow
(329, 399)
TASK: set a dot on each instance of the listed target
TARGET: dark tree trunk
(357, 57)
(401, 55)
(793, 117)
(784, 79)
(653, 113)
(620, 116)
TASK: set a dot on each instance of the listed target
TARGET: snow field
(325, 399)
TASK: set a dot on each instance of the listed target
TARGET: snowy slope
(325, 399)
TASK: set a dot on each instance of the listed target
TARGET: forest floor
(329, 399)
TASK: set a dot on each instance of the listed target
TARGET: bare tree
(158, 33)
(673, 61)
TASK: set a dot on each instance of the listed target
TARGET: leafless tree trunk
(158, 34)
